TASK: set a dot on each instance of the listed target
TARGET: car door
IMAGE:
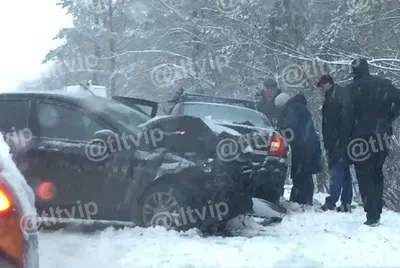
(144, 106)
(65, 132)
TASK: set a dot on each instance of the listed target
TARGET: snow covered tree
(150, 49)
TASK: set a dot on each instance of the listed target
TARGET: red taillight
(5, 202)
(278, 146)
(46, 190)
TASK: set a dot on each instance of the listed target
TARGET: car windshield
(227, 114)
(125, 115)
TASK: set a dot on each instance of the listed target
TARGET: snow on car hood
(218, 129)
(15, 180)
(156, 118)
(26, 198)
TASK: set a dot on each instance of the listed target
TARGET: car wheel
(164, 205)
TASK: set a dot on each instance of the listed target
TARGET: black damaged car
(271, 149)
(80, 150)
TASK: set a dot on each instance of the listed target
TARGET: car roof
(83, 100)
(60, 95)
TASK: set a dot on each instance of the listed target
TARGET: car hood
(219, 128)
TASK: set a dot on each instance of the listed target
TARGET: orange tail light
(5, 202)
(278, 146)
(12, 241)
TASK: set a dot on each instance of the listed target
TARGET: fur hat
(281, 99)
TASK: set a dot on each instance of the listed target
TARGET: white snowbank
(303, 239)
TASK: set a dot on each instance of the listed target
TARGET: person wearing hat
(336, 127)
(375, 105)
(305, 145)
(266, 103)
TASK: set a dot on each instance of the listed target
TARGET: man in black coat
(305, 145)
(336, 127)
(375, 105)
(267, 97)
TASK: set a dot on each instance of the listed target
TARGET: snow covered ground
(304, 239)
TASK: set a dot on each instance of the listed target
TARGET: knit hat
(270, 82)
(281, 99)
(360, 67)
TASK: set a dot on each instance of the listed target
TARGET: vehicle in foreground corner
(18, 245)
(271, 149)
(140, 181)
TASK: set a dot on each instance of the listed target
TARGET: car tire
(164, 204)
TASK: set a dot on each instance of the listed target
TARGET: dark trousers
(370, 181)
(340, 184)
(303, 189)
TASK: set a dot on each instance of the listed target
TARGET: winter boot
(344, 208)
(373, 221)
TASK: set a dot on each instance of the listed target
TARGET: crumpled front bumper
(271, 177)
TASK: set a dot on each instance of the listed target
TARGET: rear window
(227, 114)
(119, 112)
(14, 115)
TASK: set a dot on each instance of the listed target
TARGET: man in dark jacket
(305, 145)
(267, 97)
(336, 127)
(375, 105)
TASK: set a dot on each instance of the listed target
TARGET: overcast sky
(27, 28)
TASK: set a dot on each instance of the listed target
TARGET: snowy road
(303, 239)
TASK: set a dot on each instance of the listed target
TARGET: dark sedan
(86, 157)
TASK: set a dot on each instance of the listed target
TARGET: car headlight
(207, 165)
